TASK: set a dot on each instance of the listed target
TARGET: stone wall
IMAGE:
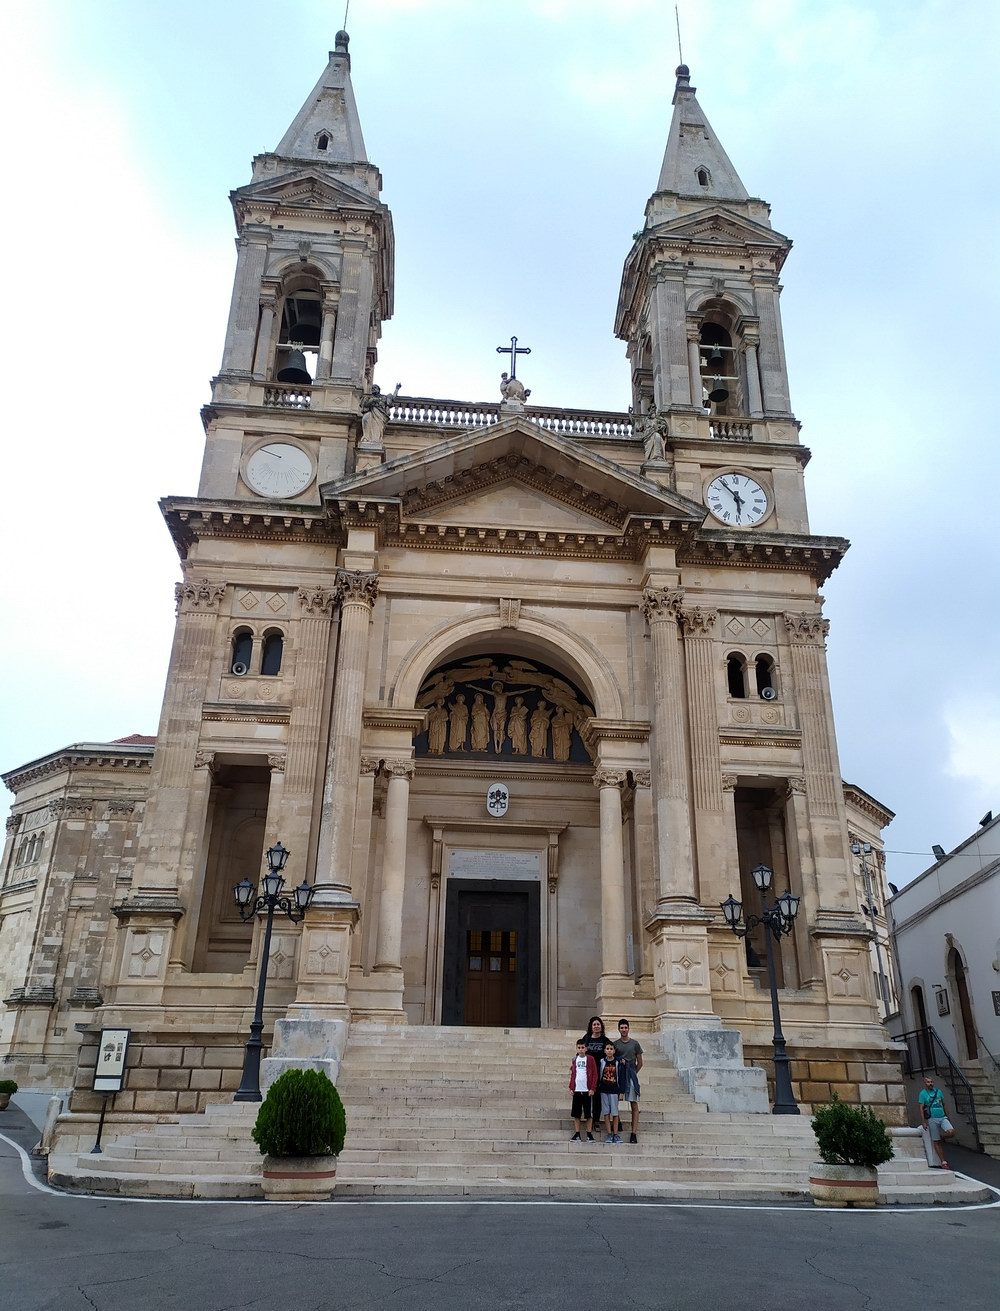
(167, 1074)
(866, 1075)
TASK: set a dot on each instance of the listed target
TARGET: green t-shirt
(932, 1099)
(629, 1048)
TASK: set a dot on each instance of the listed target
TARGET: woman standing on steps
(595, 1038)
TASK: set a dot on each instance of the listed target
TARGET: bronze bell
(295, 370)
(719, 391)
(715, 356)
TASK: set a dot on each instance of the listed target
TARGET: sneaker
(575, 1138)
(632, 1138)
(590, 1137)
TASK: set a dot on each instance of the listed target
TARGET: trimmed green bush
(302, 1115)
(8, 1086)
(851, 1135)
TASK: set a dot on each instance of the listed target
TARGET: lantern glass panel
(243, 892)
(762, 876)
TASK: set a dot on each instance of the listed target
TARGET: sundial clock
(279, 470)
(737, 500)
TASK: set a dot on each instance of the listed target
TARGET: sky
(519, 143)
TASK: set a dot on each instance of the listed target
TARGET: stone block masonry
(855, 1075)
(167, 1074)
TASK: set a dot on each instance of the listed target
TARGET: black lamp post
(249, 903)
(777, 920)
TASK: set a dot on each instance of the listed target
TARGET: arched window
(719, 362)
(764, 671)
(736, 674)
(242, 651)
(703, 177)
(22, 852)
(322, 141)
(301, 328)
(274, 645)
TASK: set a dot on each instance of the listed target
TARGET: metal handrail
(996, 1063)
(925, 1051)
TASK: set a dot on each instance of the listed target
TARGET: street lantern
(777, 919)
(249, 905)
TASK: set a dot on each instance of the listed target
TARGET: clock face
(279, 469)
(737, 500)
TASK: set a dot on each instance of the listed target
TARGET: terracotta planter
(298, 1178)
(5, 1100)
(843, 1185)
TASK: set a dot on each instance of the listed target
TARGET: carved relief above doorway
(496, 707)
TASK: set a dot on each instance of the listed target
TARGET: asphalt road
(60, 1253)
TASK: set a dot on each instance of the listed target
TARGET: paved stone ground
(61, 1253)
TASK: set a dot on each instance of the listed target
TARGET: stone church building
(526, 692)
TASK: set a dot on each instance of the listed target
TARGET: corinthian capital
(13, 823)
(609, 778)
(198, 595)
(661, 603)
(316, 600)
(357, 587)
(806, 629)
(697, 621)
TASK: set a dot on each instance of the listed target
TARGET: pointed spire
(694, 163)
(327, 127)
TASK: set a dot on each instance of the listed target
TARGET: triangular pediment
(721, 225)
(520, 464)
(515, 502)
(307, 189)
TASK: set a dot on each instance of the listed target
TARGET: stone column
(753, 376)
(357, 592)
(694, 362)
(305, 727)
(698, 626)
(388, 954)
(774, 376)
(674, 857)
(329, 323)
(244, 312)
(352, 340)
(615, 986)
(265, 335)
(799, 838)
(837, 928)
(10, 844)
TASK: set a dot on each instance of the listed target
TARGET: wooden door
(491, 976)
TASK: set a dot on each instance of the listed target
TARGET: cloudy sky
(519, 142)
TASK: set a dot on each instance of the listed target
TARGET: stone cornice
(616, 730)
(238, 713)
(768, 737)
(271, 521)
(134, 759)
(816, 556)
(868, 805)
(387, 717)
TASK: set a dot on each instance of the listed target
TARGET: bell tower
(698, 306)
(313, 286)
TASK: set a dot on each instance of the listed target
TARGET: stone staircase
(986, 1091)
(473, 1113)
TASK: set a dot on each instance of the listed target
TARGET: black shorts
(581, 1106)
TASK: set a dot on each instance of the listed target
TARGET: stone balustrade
(421, 411)
(284, 396)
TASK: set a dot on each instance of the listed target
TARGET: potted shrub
(8, 1087)
(300, 1131)
(853, 1142)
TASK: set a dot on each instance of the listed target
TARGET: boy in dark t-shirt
(608, 1086)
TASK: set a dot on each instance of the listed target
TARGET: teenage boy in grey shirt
(631, 1052)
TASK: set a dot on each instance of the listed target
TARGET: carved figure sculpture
(480, 724)
(540, 730)
(517, 727)
(498, 719)
(437, 728)
(513, 390)
(374, 417)
(459, 723)
(562, 734)
(653, 432)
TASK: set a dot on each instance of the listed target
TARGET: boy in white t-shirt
(583, 1085)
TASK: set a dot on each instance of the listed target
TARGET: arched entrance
(956, 968)
(503, 772)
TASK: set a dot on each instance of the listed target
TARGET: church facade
(525, 692)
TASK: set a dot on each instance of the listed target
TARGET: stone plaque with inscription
(470, 863)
